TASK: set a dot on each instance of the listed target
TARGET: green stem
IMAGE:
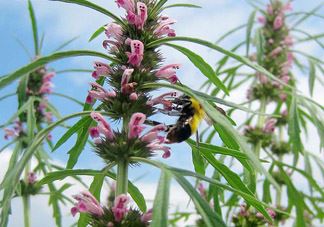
(26, 206)
(26, 199)
(260, 123)
(122, 177)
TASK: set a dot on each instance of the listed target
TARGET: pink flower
(270, 41)
(31, 179)
(120, 207)
(287, 7)
(270, 125)
(9, 133)
(283, 96)
(42, 106)
(278, 22)
(140, 18)
(285, 79)
(164, 27)
(126, 87)
(48, 117)
(114, 45)
(89, 99)
(262, 20)
(202, 190)
(243, 211)
(290, 57)
(98, 92)
(168, 72)
(46, 88)
(276, 51)
(13, 132)
(271, 212)
(103, 126)
(128, 5)
(48, 77)
(142, 13)
(262, 78)
(94, 132)
(135, 127)
(288, 41)
(101, 69)
(269, 9)
(113, 30)
(135, 57)
(133, 96)
(284, 113)
(87, 203)
(156, 146)
(163, 99)
(155, 141)
(146, 217)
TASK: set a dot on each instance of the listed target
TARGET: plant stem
(122, 177)
(260, 123)
(26, 206)
(26, 199)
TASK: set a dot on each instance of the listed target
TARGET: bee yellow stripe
(198, 116)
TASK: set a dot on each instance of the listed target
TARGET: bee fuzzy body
(191, 114)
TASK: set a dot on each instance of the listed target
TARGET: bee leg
(170, 113)
(197, 140)
(154, 123)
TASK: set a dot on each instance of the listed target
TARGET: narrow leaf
(161, 201)
(203, 66)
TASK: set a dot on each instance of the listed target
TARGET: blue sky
(61, 22)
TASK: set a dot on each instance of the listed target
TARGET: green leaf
(34, 26)
(68, 97)
(239, 58)
(5, 80)
(81, 141)
(232, 178)
(293, 126)
(249, 30)
(97, 33)
(7, 96)
(95, 7)
(226, 125)
(307, 15)
(54, 201)
(226, 137)
(260, 42)
(31, 120)
(211, 219)
(76, 127)
(295, 197)
(15, 174)
(21, 91)
(12, 162)
(181, 5)
(203, 66)
(230, 32)
(161, 201)
(312, 76)
(59, 175)
(252, 200)
(197, 159)
(63, 45)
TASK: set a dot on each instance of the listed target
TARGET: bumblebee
(190, 114)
